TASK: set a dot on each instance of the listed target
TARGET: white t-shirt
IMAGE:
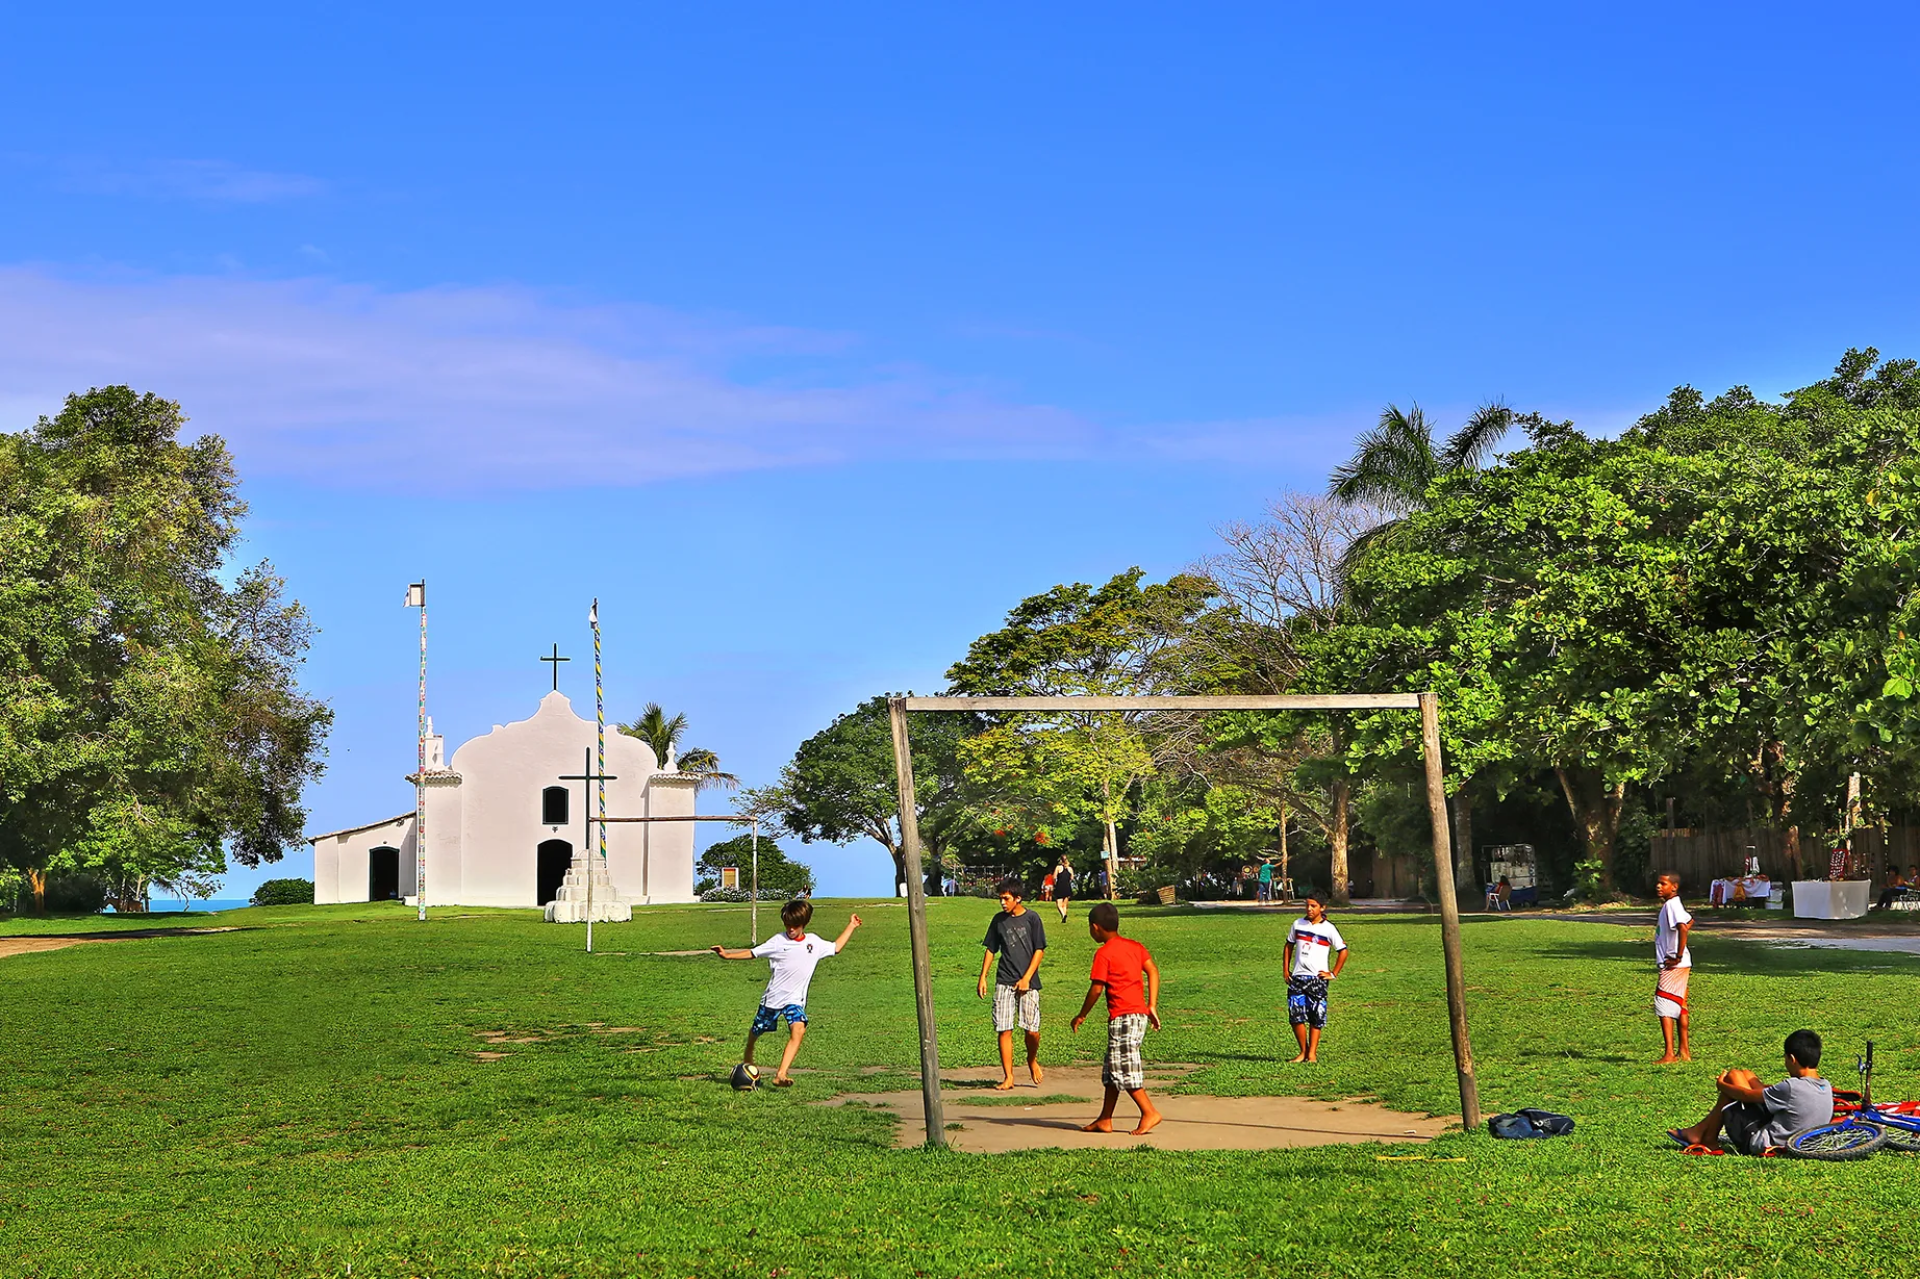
(1313, 947)
(793, 965)
(1666, 933)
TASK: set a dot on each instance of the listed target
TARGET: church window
(553, 806)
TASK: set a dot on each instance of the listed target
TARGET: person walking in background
(1062, 887)
(1266, 880)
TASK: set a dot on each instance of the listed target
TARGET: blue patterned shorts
(768, 1019)
(1307, 1002)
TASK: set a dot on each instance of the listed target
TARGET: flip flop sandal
(1673, 1135)
(1697, 1149)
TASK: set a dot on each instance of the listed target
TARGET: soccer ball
(745, 1077)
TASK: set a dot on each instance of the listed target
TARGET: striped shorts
(1123, 1068)
(1670, 994)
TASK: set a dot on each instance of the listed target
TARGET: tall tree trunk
(899, 869)
(1337, 841)
(1595, 804)
(1112, 841)
(37, 882)
(1465, 881)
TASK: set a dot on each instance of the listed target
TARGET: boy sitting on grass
(794, 955)
(1756, 1115)
(1132, 1005)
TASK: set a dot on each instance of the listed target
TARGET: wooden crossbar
(1232, 702)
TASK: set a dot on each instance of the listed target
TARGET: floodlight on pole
(417, 598)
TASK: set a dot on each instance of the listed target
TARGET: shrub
(79, 893)
(284, 892)
(741, 895)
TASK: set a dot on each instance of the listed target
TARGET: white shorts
(1016, 1007)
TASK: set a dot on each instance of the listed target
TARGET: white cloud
(212, 181)
(489, 388)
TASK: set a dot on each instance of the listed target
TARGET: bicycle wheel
(1903, 1140)
(1847, 1139)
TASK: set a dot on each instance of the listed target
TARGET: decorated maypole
(599, 760)
(417, 598)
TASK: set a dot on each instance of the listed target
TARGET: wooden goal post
(1428, 704)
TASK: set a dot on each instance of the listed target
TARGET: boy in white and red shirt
(1315, 955)
(793, 954)
(1676, 966)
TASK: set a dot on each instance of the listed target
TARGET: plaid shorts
(1123, 1068)
(1016, 1007)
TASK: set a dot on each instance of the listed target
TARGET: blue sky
(811, 341)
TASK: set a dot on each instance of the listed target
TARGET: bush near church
(284, 892)
(781, 878)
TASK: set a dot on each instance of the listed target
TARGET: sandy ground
(1192, 1122)
(34, 945)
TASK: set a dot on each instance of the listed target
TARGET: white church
(503, 829)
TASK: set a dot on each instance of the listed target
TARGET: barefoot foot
(1005, 1085)
(1098, 1125)
(1039, 1075)
(1148, 1122)
(1667, 1060)
(1295, 1061)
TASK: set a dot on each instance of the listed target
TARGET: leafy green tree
(1118, 639)
(152, 724)
(781, 877)
(663, 732)
(841, 786)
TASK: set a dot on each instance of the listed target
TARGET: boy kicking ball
(1125, 971)
(794, 955)
(1311, 942)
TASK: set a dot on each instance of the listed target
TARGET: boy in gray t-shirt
(1018, 938)
(1756, 1115)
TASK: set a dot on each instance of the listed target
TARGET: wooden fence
(1700, 856)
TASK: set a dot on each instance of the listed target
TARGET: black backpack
(1527, 1123)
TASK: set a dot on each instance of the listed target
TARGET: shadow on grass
(1758, 958)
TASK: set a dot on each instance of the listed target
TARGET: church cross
(556, 659)
(587, 777)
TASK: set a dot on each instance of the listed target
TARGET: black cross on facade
(556, 659)
(587, 777)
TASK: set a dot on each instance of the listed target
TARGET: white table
(1829, 898)
(1754, 888)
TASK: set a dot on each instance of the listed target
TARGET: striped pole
(417, 595)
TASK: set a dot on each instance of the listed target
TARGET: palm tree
(1396, 462)
(1393, 468)
(663, 733)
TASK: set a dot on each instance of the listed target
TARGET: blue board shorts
(768, 1019)
(1307, 1001)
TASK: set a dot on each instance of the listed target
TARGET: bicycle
(1860, 1130)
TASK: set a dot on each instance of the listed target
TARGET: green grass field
(302, 1098)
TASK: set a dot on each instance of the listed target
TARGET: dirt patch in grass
(1193, 1121)
(32, 944)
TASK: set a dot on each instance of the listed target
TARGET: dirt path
(33, 945)
(1193, 1122)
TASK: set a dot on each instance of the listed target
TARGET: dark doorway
(555, 857)
(383, 874)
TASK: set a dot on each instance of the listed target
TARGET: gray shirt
(1793, 1104)
(1014, 938)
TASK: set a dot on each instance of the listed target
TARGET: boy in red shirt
(1126, 972)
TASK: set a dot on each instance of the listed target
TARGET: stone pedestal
(570, 905)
